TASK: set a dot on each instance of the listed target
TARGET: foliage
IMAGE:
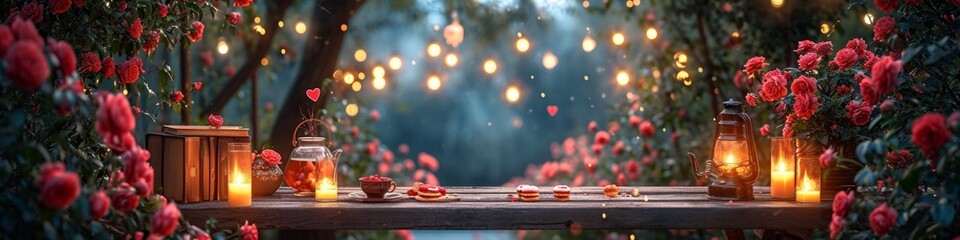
(909, 157)
(54, 123)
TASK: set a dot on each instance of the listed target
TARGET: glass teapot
(312, 165)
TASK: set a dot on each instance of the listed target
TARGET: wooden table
(492, 208)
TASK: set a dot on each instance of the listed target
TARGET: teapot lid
(311, 140)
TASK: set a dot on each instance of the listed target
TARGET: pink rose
(196, 32)
(765, 130)
(32, 11)
(271, 156)
(884, 73)
(99, 205)
(828, 158)
(843, 90)
(804, 86)
(858, 46)
(592, 126)
(806, 105)
(836, 225)
(429, 162)
(165, 220)
(929, 133)
(845, 58)
(805, 46)
(824, 48)
(755, 65)
(375, 115)
(26, 65)
(6, 39)
(869, 92)
(138, 172)
(234, 18)
(842, 202)
(809, 61)
(113, 114)
(602, 137)
(751, 99)
(886, 106)
(126, 200)
(883, 28)
(25, 31)
(882, 219)
(646, 129)
(597, 149)
(66, 56)
(242, 3)
(869, 60)
(135, 29)
(774, 86)
(215, 120)
(635, 121)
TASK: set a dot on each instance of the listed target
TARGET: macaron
(611, 191)
(429, 191)
(561, 192)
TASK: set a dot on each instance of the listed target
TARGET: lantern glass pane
(731, 158)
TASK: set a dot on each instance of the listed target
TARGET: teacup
(376, 186)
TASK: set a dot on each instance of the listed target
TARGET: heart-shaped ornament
(552, 110)
(313, 94)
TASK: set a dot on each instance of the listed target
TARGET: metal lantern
(734, 166)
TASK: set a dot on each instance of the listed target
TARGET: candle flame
(237, 176)
(327, 185)
(782, 166)
(807, 183)
(730, 159)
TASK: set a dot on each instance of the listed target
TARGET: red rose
(886, 106)
(836, 225)
(635, 121)
(646, 128)
(843, 90)
(130, 70)
(755, 65)
(375, 115)
(242, 3)
(59, 6)
(99, 205)
(26, 65)
(597, 149)
(199, 234)
(804, 86)
(138, 172)
(197, 32)
(859, 112)
(774, 86)
(234, 18)
(805, 46)
(738, 79)
(113, 115)
(618, 148)
(602, 137)
(165, 220)
(162, 10)
(248, 231)
(884, 73)
(126, 199)
(886, 5)
(58, 187)
(842, 202)
(883, 28)
(899, 158)
(215, 120)
(119, 142)
(869, 92)
(858, 46)
(824, 48)
(271, 156)
(122, 7)
(845, 58)
(90, 63)
(929, 133)
(912, 2)
(869, 60)
(151, 41)
(809, 61)
(64, 53)
(25, 31)
(176, 96)
(206, 59)
(6, 39)
(765, 130)
(751, 99)
(32, 11)
(882, 219)
(429, 162)
(828, 158)
(806, 105)
(135, 28)
(107, 67)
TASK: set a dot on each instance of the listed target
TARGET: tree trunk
(318, 60)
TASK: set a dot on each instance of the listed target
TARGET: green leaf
(866, 177)
(862, 151)
(910, 180)
(944, 212)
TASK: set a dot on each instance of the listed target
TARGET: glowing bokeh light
(512, 94)
(490, 66)
(680, 59)
(352, 109)
(523, 45)
(378, 72)
(222, 47)
(434, 50)
(356, 86)
(549, 60)
(451, 60)
(588, 44)
(623, 78)
(433, 82)
(360, 55)
(348, 78)
(618, 38)
(379, 83)
(776, 3)
(395, 63)
(300, 27)
(651, 33)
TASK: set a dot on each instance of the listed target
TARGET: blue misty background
(480, 138)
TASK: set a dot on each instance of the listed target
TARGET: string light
(512, 94)
(651, 33)
(623, 78)
(776, 3)
(256, 20)
(824, 28)
(222, 47)
(361, 76)
(348, 78)
(395, 63)
(681, 59)
(683, 75)
(259, 29)
(523, 45)
(629, 4)
(451, 60)
(360, 55)
(264, 61)
(280, 24)
(618, 38)
(300, 27)
(586, 4)
(868, 19)
(433, 82)
(588, 44)
(356, 86)
(490, 66)
(378, 72)
(379, 83)
(433, 50)
(337, 74)
(352, 109)
(549, 60)
(283, 51)
(343, 27)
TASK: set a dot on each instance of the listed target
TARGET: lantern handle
(325, 125)
(751, 146)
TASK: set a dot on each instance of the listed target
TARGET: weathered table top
(492, 208)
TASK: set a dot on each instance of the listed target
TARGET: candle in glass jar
(782, 181)
(326, 191)
(808, 193)
(239, 193)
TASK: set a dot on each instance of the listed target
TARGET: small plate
(389, 197)
(447, 198)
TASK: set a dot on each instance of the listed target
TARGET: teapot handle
(325, 125)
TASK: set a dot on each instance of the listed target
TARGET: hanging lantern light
(734, 166)
(681, 59)
(453, 33)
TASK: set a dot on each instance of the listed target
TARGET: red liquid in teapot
(301, 174)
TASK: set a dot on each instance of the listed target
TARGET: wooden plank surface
(491, 208)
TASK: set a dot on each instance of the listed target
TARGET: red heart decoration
(552, 110)
(313, 94)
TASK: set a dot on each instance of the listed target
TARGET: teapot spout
(696, 165)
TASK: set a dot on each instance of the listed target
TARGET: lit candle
(782, 181)
(326, 191)
(808, 193)
(239, 193)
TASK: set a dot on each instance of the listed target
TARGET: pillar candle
(326, 191)
(239, 194)
(808, 193)
(781, 182)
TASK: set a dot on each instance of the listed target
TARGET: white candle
(782, 182)
(239, 194)
(326, 191)
(808, 193)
